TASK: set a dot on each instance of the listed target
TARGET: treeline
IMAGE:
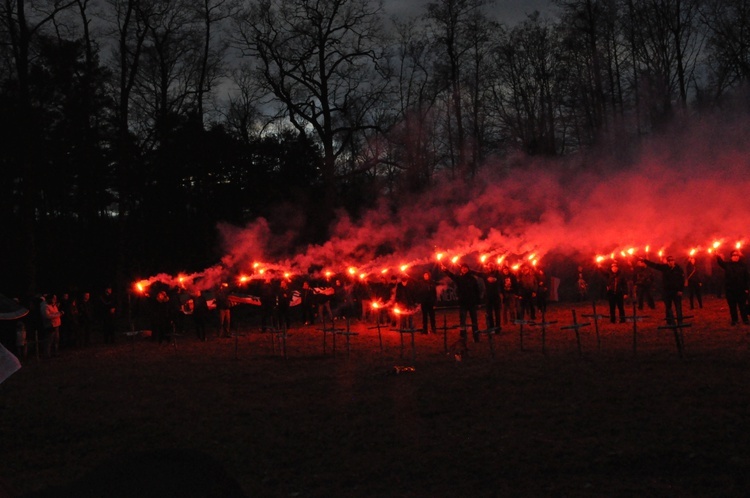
(130, 128)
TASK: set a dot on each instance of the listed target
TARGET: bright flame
(599, 259)
(738, 246)
(244, 278)
(516, 266)
(141, 286)
(328, 274)
(397, 311)
(500, 259)
(375, 305)
(362, 276)
(454, 259)
(352, 270)
(631, 250)
(256, 264)
(439, 256)
(287, 275)
(692, 252)
(384, 271)
(532, 256)
(483, 258)
(404, 267)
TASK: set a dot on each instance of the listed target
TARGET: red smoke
(674, 193)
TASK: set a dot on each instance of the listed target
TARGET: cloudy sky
(508, 11)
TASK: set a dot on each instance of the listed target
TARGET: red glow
(141, 286)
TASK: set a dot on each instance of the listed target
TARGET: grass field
(606, 420)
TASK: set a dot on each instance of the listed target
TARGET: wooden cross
(544, 325)
(380, 335)
(445, 332)
(596, 318)
(576, 326)
(411, 331)
(522, 323)
(635, 318)
(346, 333)
(333, 330)
(678, 336)
(490, 332)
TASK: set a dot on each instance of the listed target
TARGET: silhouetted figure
(736, 286)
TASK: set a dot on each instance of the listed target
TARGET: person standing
(283, 303)
(582, 286)
(69, 320)
(617, 291)
(527, 289)
(162, 321)
(736, 286)
(268, 305)
(491, 278)
(427, 300)
(467, 289)
(307, 303)
(200, 314)
(405, 299)
(51, 319)
(542, 290)
(643, 281)
(224, 306)
(509, 291)
(108, 314)
(693, 282)
(86, 319)
(673, 283)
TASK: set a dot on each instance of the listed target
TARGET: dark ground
(606, 423)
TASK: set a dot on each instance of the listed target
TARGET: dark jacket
(467, 288)
(616, 283)
(736, 278)
(673, 277)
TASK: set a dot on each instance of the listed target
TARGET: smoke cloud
(673, 193)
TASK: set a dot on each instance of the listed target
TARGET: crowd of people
(505, 295)
(675, 282)
(54, 323)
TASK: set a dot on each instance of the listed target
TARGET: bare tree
(666, 44)
(453, 24)
(527, 92)
(320, 61)
(210, 14)
(413, 125)
(23, 22)
(727, 24)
